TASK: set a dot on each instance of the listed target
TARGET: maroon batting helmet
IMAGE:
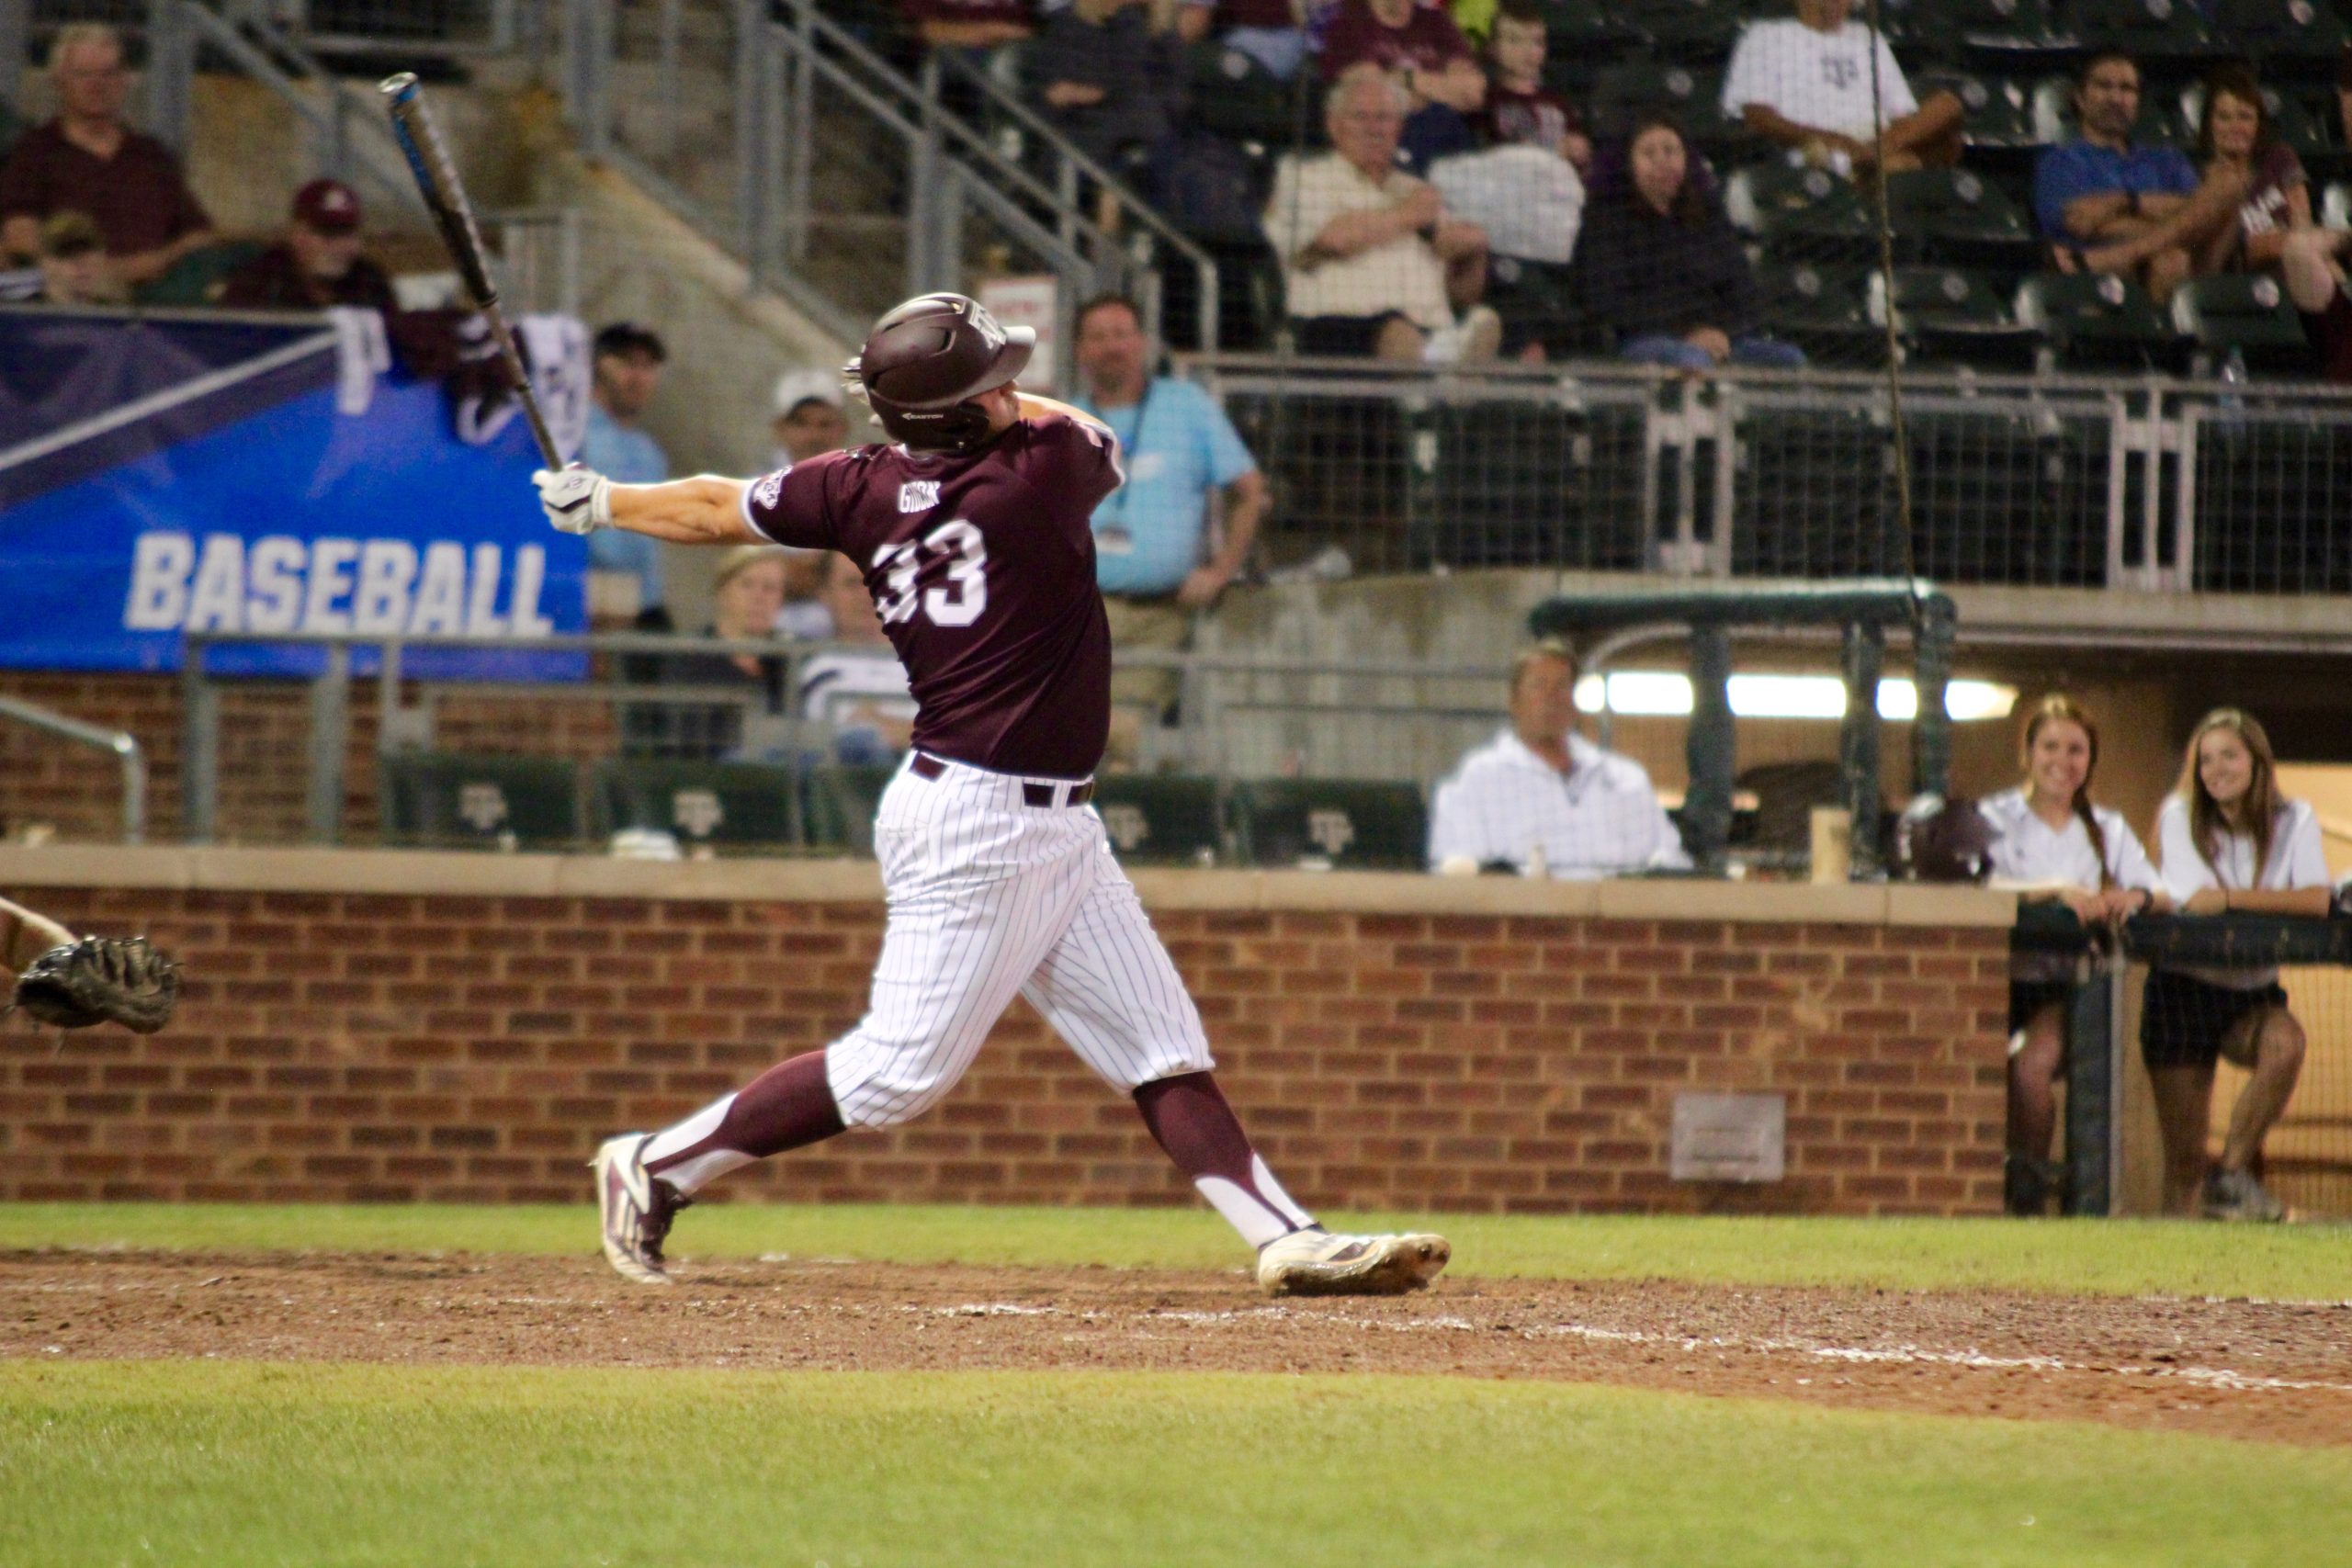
(924, 362)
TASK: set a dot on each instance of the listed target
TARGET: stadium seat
(1693, 31)
(2098, 324)
(1581, 37)
(1237, 97)
(196, 277)
(1824, 308)
(2281, 33)
(1948, 315)
(1802, 215)
(1999, 117)
(839, 804)
(2246, 311)
(2155, 32)
(1160, 818)
(1961, 217)
(734, 804)
(1351, 825)
(1692, 94)
(442, 800)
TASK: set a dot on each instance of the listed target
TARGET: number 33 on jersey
(982, 570)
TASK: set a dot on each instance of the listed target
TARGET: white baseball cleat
(1314, 1262)
(635, 1209)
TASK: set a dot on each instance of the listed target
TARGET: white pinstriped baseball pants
(990, 897)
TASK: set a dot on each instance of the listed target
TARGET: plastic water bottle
(2232, 399)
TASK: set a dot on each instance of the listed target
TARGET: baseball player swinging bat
(436, 178)
(971, 530)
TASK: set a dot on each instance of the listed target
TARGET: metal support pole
(1711, 748)
(170, 67)
(200, 748)
(1865, 656)
(923, 188)
(15, 37)
(330, 733)
(1933, 635)
(2090, 1091)
(755, 139)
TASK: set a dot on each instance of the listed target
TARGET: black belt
(926, 766)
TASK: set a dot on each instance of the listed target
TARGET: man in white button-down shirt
(1544, 799)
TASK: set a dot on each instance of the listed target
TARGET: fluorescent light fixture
(1664, 694)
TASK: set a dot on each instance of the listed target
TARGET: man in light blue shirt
(1153, 555)
(628, 361)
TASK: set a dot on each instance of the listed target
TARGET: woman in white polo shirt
(2052, 842)
(2229, 842)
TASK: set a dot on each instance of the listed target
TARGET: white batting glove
(576, 499)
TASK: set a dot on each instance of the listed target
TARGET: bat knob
(399, 89)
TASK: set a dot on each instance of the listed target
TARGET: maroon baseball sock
(787, 1107)
(1188, 1117)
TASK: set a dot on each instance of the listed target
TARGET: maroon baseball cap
(329, 206)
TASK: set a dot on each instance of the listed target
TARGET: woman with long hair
(1661, 266)
(2229, 842)
(2234, 136)
(2053, 843)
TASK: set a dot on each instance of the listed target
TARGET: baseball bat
(436, 178)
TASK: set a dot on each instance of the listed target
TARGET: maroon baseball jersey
(982, 567)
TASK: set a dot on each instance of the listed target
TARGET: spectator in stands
(1829, 90)
(976, 25)
(2107, 206)
(1272, 32)
(858, 687)
(1541, 800)
(1108, 81)
(811, 416)
(811, 419)
(2051, 842)
(2229, 841)
(1520, 111)
(317, 264)
(1661, 265)
(72, 265)
(1152, 537)
(2310, 261)
(2234, 136)
(745, 593)
(88, 160)
(1371, 262)
(626, 361)
(1420, 47)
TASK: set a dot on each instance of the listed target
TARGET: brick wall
(397, 1045)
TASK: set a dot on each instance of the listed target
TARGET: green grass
(2111, 1258)
(194, 1463)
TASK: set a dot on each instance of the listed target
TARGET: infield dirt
(2271, 1371)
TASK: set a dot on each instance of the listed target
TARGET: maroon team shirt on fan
(1533, 118)
(982, 567)
(1427, 42)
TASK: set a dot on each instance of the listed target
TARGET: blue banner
(159, 477)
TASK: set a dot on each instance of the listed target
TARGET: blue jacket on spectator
(2075, 169)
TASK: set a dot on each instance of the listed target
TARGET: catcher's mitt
(101, 979)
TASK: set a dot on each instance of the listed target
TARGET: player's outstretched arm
(705, 510)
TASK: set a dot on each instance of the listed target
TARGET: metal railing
(2149, 483)
(719, 111)
(121, 745)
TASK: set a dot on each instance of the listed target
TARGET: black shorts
(1341, 337)
(2029, 996)
(2183, 1020)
